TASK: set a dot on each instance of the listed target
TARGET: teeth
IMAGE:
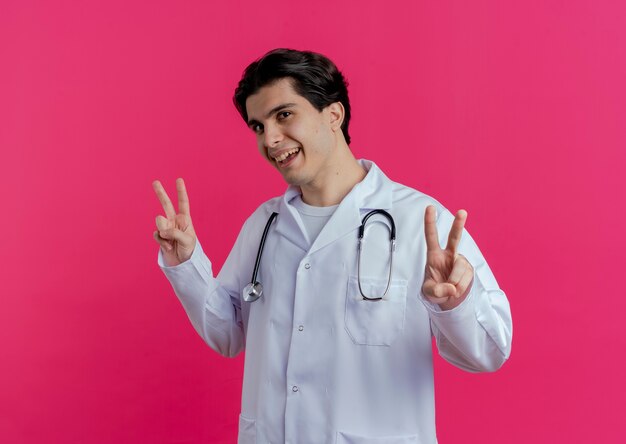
(286, 154)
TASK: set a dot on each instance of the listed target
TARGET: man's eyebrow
(274, 110)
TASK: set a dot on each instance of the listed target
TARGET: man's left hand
(449, 276)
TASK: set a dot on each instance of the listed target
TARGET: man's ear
(336, 113)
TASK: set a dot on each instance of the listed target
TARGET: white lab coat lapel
(373, 192)
(289, 223)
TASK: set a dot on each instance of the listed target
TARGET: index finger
(164, 199)
(430, 228)
(457, 230)
(183, 199)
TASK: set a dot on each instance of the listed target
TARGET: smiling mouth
(287, 157)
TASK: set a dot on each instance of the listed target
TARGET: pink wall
(515, 111)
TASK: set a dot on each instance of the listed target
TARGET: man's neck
(339, 180)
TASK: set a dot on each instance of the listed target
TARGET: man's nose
(272, 136)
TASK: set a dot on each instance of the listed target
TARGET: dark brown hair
(314, 77)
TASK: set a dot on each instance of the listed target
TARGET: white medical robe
(323, 365)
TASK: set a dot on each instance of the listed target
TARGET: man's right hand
(175, 233)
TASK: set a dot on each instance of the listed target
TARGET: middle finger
(457, 230)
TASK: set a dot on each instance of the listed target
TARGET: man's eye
(284, 114)
(256, 128)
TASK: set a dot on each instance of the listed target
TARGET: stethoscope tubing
(392, 248)
(254, 289)
(257, 263)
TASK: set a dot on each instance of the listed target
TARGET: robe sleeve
(476, 335)
(212, 304)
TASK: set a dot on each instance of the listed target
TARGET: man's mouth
(285, 158)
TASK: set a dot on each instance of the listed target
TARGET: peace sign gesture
(174, 232)
(448, 274)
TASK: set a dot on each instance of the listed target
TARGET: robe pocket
(247, 431)
(375, 322)
(348, 438)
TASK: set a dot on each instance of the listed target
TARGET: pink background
(515, 111)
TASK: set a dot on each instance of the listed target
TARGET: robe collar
(373, 192)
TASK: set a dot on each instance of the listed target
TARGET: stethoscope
(254, 289)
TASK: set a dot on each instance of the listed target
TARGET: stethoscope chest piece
(252, 292)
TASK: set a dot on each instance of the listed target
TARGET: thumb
(162, 223)
(174, 234)
(438, 290)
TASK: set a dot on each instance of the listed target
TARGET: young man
(338, 345)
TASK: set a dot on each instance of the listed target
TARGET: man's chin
(292, 179)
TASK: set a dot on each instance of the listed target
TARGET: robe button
(300, 328)
(294, 388)
(307, 266)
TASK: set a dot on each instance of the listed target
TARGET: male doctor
(338, 346)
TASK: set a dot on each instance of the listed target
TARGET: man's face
(296, 138)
